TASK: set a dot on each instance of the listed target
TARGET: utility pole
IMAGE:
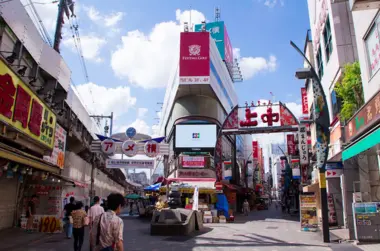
(64, 7)
(106, 126)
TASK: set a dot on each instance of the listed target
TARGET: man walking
(67, 211)
(95, 210)
(107, 231)
(246, 207)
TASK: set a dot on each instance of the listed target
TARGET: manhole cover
(272, 227)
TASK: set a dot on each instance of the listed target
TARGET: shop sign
(368, 116)
(334, 165)
(151, 149)
(108, 146)
(23, 110)
(196, 173)
(291, 144)
(194, 62)
(193, 162)
(309, 219)
(57, 157)
(255, 150)
(305, 105)
(302, 143)
(334, 173)
(50, 224)
(129, 148)
(129, 163)
(320, 24)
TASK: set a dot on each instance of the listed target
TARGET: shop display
(308, 206)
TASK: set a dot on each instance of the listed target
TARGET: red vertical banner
(255, 150)
(194, 62)
(290, 142)
(305, 105)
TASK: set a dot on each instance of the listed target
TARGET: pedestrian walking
(67, 217)
(246, 207)
(79, 222)
(95, 210)
(107, 231)
(30, 212)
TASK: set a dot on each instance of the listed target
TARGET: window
(336, 103)
(327, 36)
(320, 63)
(372, 43)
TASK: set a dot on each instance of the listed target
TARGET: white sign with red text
(152, 148)
(193, 162)
(336, 173)
(129, 163)
(108, 146)
(129, 148)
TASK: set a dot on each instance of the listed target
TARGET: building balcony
(356, 5)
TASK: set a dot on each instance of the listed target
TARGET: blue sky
(128, 48)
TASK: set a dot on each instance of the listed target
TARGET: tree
(350, 90)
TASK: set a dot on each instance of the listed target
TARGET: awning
(18, 156)
(361, 145)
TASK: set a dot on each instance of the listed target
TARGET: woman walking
(80, 220)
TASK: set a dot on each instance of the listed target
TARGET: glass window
(327, 36)
(372, 44)
(336, 103)
(320, 63)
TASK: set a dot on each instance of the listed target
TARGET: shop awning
(361, 145)
(18, 156)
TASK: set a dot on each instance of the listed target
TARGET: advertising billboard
(305, 105)
(57, 157)
(194, 62)
(228, 52)
(291, 144)
(195, 137)
(23, 110)
(255, 150)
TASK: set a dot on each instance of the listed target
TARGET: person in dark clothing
(79, 216)
(67, 211)
(86, 209)
(30, 212)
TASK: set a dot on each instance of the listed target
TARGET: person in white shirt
(95, 210)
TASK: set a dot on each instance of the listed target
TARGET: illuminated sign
(23, 110)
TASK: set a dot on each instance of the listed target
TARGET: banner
(194, 63)
(57, 157)
(255, 150)
(305, 106)
(302, 143)
(23, 110)
(129, 163)
(291, 144)
(195, 198)
(308, 206)
(193, 162)
(228, 51)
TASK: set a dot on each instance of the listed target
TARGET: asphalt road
(261, 231)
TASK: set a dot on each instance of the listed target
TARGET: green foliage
(350, 90)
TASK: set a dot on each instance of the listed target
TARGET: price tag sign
(130, 148)
(108, 146)
(50, 224)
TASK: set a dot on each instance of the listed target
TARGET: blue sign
(334, 165)
(216, 30)
(131, 132)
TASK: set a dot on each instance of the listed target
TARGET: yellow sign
(23, 110)
(50, 224)
(322, 180)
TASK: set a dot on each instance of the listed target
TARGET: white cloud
(101, 100)
(141, 112)
(109, 20)
(91, 46)
(146, 60)
(141, 126)
(273, 3)
(250, 66)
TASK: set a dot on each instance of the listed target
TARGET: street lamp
(322, 121)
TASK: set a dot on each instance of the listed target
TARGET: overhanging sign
(129, 163)
(110, 147)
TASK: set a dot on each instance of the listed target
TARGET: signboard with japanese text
(367, 116)
(255, 150)
(195, 173)
(228, 51)
(152, 148)
(194, 63)
(308, 206)
(291, 144)
(23, 110)
(57, 157)
(319, 23)
(372, 43)
(193, 162)
(217, 32)
(305, 105)
(302, 143)
(129, 163)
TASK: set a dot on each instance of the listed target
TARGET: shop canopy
(187, 185)
(153, 188)
(362, 145)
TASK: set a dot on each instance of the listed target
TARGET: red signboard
(305, 105)
(193, 162)
(290, 142)
(255, 150)
(194, 63)
(228, 52)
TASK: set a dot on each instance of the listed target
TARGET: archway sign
(247, 120)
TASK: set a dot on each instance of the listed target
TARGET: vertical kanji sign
(305, 105)
(302, 143)
(151, 148)
(291, 145)
(255, 150)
